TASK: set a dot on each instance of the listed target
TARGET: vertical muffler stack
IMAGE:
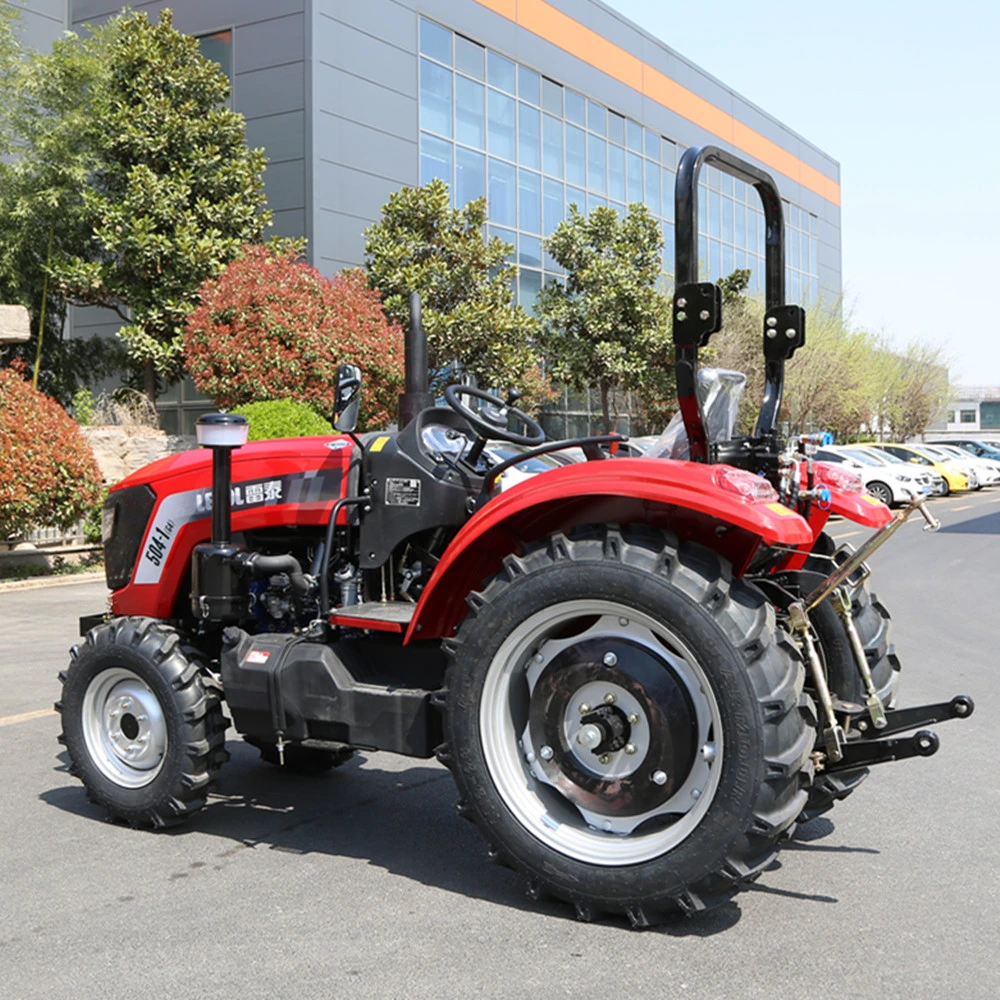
(417, 394)
(219, 593)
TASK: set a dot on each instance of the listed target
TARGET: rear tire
(144, 734)
(709, 698)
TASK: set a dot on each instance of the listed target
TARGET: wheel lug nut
(609, 699)
(141, 718)
(604, 758)
(695, 793)
(610, 659)
(529, 757)
(584, 708)
(633, 719)
(659, 777)
(708, 752)
(546, 753)
(623, 622)
(629, 748)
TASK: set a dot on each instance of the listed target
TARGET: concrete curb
(51, 581)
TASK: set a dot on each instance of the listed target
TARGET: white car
(987, 470)
(881, 479)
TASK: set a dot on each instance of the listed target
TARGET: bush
(82, 405)
(48, 475)
(283, 418)
(272, 327)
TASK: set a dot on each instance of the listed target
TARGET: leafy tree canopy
(136, 174)
(608, 326)
(271, 327)
(422, 244)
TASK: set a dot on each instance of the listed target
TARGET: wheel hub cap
(548, 731)
(124, 728)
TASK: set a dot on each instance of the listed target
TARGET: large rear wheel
(626, 724)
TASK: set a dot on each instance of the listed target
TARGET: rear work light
(838, 478)
(748, 487)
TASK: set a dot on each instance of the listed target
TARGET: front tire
(144, 734)
(626, 725)
(881, 492)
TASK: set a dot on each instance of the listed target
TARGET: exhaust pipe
(416, 396)
(218, 591)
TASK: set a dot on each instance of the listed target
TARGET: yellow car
(954, 479)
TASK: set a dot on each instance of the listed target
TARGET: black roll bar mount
(697, 311)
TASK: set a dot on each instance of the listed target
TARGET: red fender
(849, 503)
(730, 510)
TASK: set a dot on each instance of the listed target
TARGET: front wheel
(881, 492)
(626, 725)
(144, 734)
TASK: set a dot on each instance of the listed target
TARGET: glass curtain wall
(491, 127)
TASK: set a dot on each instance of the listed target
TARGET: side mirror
(348, 398)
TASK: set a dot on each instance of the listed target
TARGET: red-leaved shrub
(48, 474)
(272, 327)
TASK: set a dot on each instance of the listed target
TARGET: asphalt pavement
(365, 883)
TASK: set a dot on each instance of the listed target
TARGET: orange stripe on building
(544, 20)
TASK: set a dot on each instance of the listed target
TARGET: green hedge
(283, 418)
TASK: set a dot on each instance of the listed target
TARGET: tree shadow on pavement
(988, 524)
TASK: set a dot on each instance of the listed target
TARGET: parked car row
(892, 473)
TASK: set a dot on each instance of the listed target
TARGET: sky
(905, 94)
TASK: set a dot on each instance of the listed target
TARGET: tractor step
(381, 616)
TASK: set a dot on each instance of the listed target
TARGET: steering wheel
(486, 429)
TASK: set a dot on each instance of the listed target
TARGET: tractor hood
(309, 452)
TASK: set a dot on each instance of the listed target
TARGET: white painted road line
(39, 713)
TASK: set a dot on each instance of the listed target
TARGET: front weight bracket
(865, 753)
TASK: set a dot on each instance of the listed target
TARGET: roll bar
(698, 304)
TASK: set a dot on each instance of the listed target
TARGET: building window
(968, 416)
(951, 417)
(218, 47)
(534, 147)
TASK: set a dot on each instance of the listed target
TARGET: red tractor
(642, 672)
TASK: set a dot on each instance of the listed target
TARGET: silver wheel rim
(124, 728)
(515, 763)
(881, 492)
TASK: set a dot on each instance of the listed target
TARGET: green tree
(43, 120)
(465, 282)
(609, 325)
(151, 188)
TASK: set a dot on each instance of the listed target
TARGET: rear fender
(857, 507)
(681, 497)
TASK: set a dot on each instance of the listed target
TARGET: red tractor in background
(641, 672)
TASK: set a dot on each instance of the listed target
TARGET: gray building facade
(534, 103)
